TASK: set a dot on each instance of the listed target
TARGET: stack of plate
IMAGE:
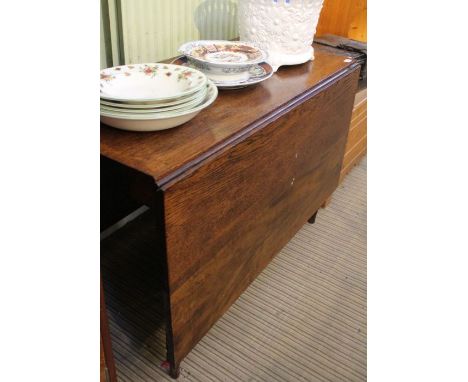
(229, 64)
(149, 97)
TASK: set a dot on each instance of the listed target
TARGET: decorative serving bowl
(257, 73)
(227, 61)
(149, 83)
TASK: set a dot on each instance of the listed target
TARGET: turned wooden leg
(326, 202)
(106, 344)
(174, 371)
(312, 219)
(170, 365)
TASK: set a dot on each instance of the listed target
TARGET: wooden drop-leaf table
(231, 187)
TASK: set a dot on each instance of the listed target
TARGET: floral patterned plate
(257, 74)
(149, 83)
(159, 121)
(224, 53)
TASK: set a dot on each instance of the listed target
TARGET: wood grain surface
(346, 18)
(165, 155)
(356, 146)
(227, 219)
(303, 319)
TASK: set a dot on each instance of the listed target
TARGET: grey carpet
(302, 319)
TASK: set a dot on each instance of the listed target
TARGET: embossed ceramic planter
(283, 28)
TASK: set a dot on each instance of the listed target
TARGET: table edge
(193, 164)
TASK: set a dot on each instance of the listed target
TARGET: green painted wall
(136, 31)
(104, 63)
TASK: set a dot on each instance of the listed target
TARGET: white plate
(181, 107)
(258, 73)
(160, 121)
(149, 82)
(200, 95)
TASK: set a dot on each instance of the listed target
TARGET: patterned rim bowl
(256, 74)
(223, 60)
(224, 54)
(150, 83)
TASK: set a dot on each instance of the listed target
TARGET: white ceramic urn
(285, 29)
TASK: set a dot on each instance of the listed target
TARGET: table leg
(106, 341)
(174, 367)
(174, 371)
(312, 218)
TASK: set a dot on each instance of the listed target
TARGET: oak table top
(165, 155)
